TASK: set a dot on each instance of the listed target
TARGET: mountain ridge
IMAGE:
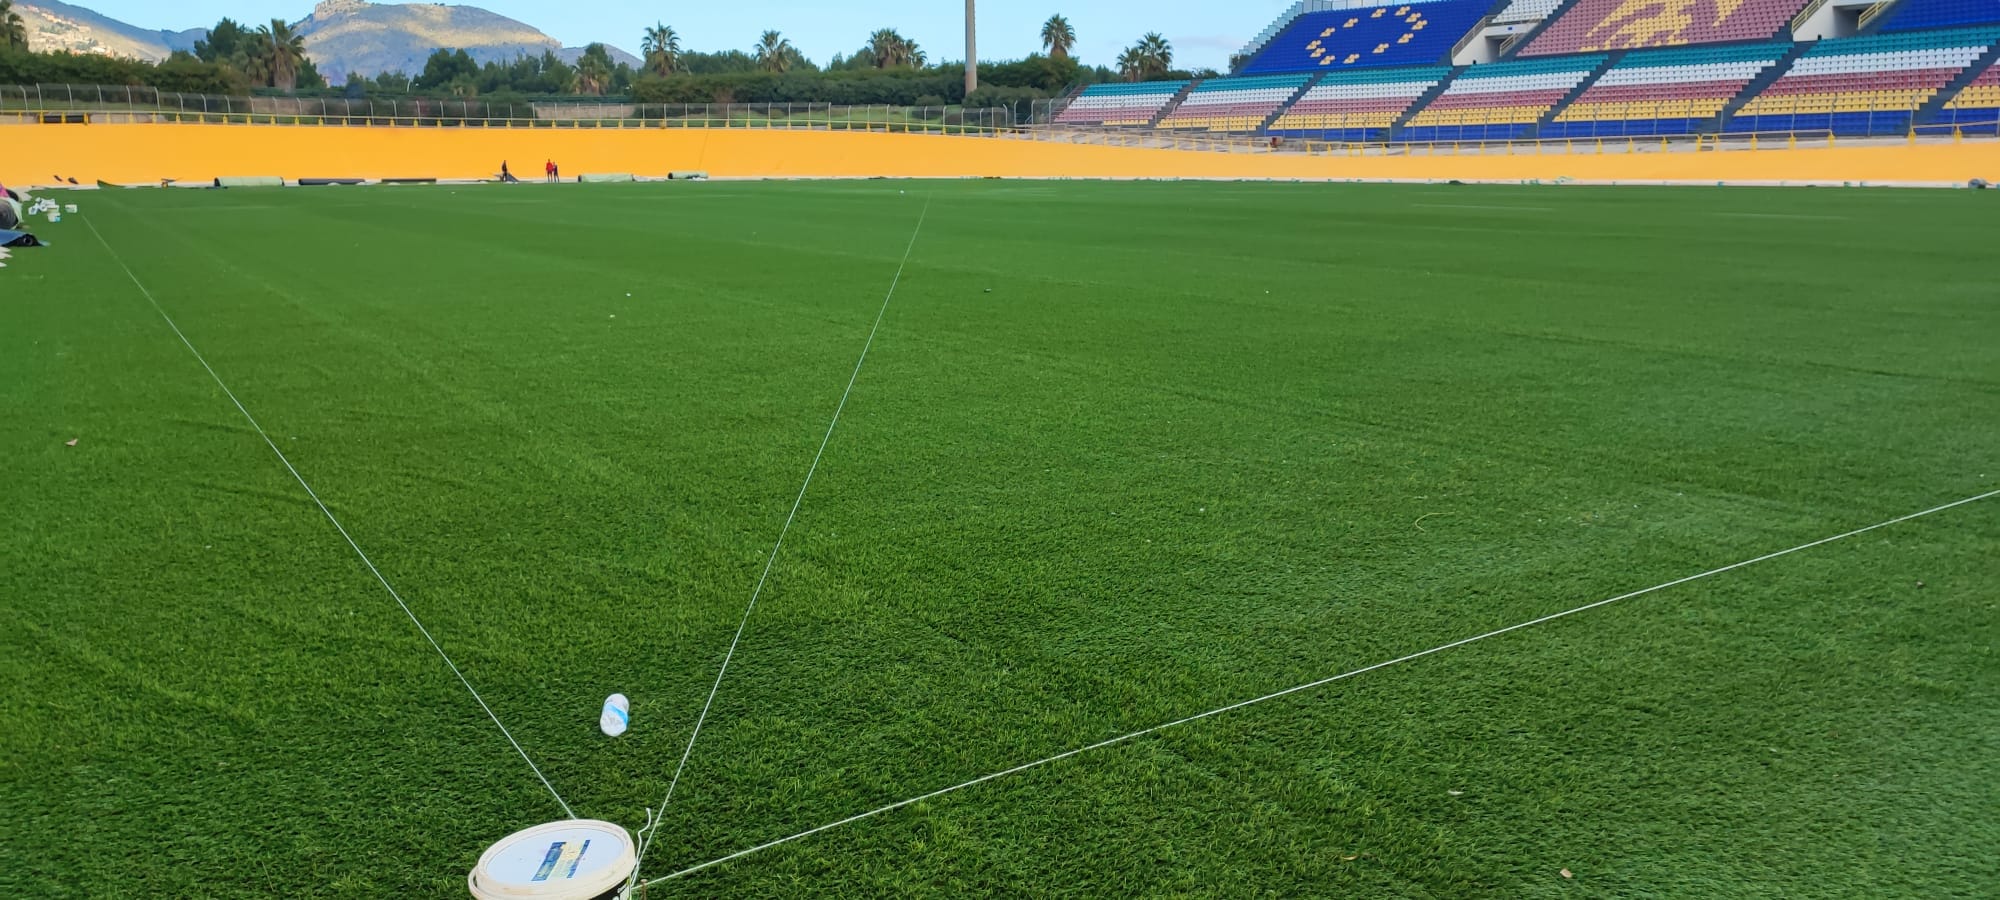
(341, 36)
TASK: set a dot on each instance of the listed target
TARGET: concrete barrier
(146, 154)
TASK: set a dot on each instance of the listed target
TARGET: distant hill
(60, 26)
(354, 36)
(341, 36)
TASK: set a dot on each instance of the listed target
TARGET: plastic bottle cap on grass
(578, 859)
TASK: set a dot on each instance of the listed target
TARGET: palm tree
(592, 75)
(1131, 64)
(887, 47)
(662, 48)
(1058, 37)
(891, 49)
(1157, 53)
(773, 52)
(13, 31)
(281, 50)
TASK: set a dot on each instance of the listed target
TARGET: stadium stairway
(1762, 81)
(1423, 100)
(1528, 37)
(1877, 17)
(1927, 112)
(1611, 62)
(1174, 103)
(1265, 126)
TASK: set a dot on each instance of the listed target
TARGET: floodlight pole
(971, 51)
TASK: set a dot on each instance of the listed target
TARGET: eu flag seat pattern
(1120, 104)
(1357, 106)
(1917, 15)
(1594, 25)
(1664, 92)
(1863, 85)
(1401, 34)
(1976, 107)
(1234, 104)
(1499, 101)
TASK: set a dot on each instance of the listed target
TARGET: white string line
(779, 545)
(1313, 684)
(331, 518)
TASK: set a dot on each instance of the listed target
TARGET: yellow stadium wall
(29, 154)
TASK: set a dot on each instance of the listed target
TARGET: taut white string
(772, 559)
(330, 517)
(1310, 685)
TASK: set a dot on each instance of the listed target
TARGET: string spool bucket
(575, 859)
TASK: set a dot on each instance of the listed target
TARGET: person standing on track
(549, 171)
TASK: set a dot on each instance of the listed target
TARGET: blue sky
(1203, 34)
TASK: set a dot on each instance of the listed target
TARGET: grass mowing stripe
(1321, 683)
(330, 517)
(772, 558)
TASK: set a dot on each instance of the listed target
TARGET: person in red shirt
(549, 171)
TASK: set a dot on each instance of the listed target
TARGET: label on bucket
(561, 860)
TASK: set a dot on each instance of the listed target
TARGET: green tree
(309, 75)
(225, 42)
(392, 83)
(443, 67)
(662, 50)
(282, 52)
(1156, 54)
(888, 49)
(593, 74)
(1058, 37)
(1131, 65)
(773, 52)
(13, 31)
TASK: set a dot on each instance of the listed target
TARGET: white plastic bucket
(577, 859)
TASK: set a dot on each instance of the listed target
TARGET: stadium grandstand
(1596, 25)
(1358, 106)
(1235, 104)
(1121, 104)
(1369, 37)
(1976, 107)
(1865, 85)
(1500, 101)
(1666, 92)
(1358, 71)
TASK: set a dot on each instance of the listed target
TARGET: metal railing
(85, 104)
(1869, 15)
(1805, 15)
(1331, 134)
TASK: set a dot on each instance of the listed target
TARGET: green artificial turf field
(1199, 443)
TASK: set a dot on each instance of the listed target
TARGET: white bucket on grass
(577, 859)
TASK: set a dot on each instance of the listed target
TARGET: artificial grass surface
(1200, 442)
